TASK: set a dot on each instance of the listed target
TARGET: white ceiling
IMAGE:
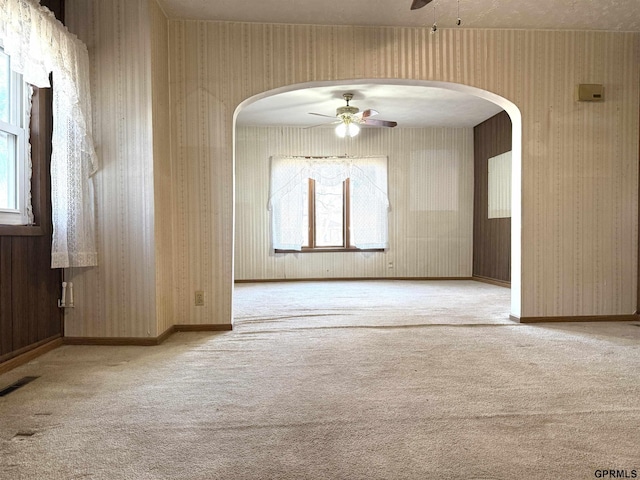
(620, 15)
(409, 106)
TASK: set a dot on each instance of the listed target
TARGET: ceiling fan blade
(360, 116)
(322, 124)
(322, 115)
(419, 4)
(379, 123)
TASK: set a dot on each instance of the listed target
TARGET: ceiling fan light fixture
(347, 129)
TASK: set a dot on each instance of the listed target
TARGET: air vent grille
(16, 385)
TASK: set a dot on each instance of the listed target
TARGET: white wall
(430, 191)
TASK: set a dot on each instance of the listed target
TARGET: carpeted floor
(337, 380)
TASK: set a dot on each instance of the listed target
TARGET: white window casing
(15, 204)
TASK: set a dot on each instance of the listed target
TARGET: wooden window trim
(346, 235)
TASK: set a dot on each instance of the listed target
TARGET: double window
(14, 137)
(328, 204)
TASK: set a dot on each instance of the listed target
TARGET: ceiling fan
(349, 118)
(419, 4)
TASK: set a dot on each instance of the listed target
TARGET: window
(325, 223)
(64, 155)
(328, 204)
(15, 169)
(499, 186)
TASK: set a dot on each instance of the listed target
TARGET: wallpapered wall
(430, 191)
(118, 298)
(163, 211)
(579, 160)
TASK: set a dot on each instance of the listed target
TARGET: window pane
(305, 214)
(4, 86)
(329, 215)
(7, 171)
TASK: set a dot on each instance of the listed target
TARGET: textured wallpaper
(118, 298)
(163, 211)
(430, 192)
(579, 160)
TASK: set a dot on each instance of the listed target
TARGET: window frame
(346, 225)
(16, 126)
(40, 131)
(40, 139)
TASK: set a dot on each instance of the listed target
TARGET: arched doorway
(504, 104)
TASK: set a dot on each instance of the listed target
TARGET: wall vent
(16, 385)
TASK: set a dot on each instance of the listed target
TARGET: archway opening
(516, 171)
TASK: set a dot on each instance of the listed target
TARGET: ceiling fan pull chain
(434, 28)
(459, 22)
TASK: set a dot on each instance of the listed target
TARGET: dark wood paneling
(491, 237)
(56, 6)
(35, 286)
(41, 131)
(6, 318)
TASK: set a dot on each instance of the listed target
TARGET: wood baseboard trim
(211, 327)
(30, 353)
(146, 341)
(27, 354)
(583, 318)
(349, 279)
(491, 281)
(113, 341)
(166, 334)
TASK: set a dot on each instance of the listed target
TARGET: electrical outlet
(199, 298)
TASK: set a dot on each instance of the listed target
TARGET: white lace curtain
(369, 199)
(38, 45)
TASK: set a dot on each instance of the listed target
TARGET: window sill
(331, 250)
(21, 230)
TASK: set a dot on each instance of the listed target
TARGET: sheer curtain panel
(369, 199)
(39, 45)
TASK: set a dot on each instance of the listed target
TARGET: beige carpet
(345, 380)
